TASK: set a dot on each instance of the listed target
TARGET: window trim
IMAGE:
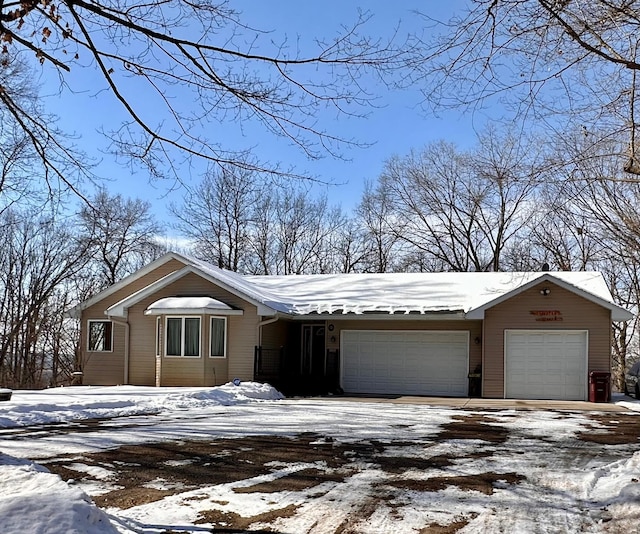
(182, 336)
(89, 322)
(159, 340)
(226, 323)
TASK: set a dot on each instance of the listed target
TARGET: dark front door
(313, 351)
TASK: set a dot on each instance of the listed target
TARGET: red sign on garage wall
(547, 315)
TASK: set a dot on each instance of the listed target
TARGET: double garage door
(538, 364)
(546, 364)
(405, 362)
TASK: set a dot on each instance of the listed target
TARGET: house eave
(76, 311)
(618, 313)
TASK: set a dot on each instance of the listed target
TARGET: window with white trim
(100, 338)
(182, 335)
(218, 337)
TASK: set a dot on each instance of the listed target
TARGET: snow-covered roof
(466, 294)
(192, 305)
(405, 293)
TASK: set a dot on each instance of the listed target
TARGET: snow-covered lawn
(194, 460)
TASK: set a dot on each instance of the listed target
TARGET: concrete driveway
(487, 404)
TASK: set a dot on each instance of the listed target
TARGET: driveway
(353, 466)
(480, 404)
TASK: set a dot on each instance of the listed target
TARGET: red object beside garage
(599, 386)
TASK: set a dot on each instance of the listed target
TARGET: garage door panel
(407, 362)
(546, 364)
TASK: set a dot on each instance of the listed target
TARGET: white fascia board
(120, 309)
(617, 312)
(263, 309)
(77, 310)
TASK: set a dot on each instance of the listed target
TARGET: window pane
(217, 337)
(158, 336)
(100, 335)
(107, 335)
(174, 336)
(192, 336)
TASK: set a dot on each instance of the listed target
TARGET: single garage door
(546, 364)
(405, 362)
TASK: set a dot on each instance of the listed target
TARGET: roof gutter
(430, 316)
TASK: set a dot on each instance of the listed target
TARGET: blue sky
(396, 126)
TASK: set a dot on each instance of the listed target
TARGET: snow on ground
(61, 405)
(561, 493)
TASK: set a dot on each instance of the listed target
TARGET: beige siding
(243, 332)
(276, 335)
(108, 368)
(576, 313)
(104, 368)
(473, 327)
(203, 371)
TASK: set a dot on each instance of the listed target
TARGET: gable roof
(467, 294)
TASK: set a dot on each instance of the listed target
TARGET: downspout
(126, 347)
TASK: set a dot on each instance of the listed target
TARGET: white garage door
(546, 364)
(405, 362)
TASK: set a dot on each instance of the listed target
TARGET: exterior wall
(576, 313)
(473, 327)
(276, 335)
(202, 371)
(104, 368)
(107, 368)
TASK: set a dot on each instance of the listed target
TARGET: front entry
(312, 361)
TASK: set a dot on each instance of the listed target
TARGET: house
(180, 321)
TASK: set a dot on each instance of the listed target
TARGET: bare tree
(180, 69)
(302, 228)
(563, 63)
(37, 160)
(462, 210)
(376, 216)
(38, 256)
(218, 214)
(120, 234)
(590, 221)
(348, 250)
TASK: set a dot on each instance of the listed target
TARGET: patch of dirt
(399, 464)
(474, 426)
(298, 481)
(191, 464)
(618, 429)
(364, 512)
(437, 528)
(132, 497)
(230, 522)
(483, 482)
